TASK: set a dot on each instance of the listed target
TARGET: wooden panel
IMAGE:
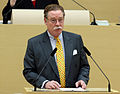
(102, 41)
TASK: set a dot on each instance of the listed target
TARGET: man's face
(55, 22)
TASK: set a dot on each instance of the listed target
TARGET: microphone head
(53, 52)
(87, 51)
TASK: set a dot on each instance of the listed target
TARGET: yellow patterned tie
(60, 62)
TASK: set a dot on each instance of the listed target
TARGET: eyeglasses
(54, 21)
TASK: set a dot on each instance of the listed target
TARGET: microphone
(89, 54)
(5, 18)
(51, 55)
(94, 20)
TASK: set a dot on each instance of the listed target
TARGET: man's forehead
(55, 12)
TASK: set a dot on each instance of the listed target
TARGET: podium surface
(88, 91)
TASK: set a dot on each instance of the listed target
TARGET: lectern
(88, 91)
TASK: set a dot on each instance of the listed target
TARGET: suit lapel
(68, 52)
(47, 48)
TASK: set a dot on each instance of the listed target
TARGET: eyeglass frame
(54, 21)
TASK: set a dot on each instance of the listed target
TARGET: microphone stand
(41, 72)
(89, 54)
(94, 20)
(51, 55)
(109, 86)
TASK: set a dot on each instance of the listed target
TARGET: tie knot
(57, 38)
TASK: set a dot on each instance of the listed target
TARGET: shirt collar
(51, 37)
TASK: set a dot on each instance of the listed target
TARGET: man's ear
(45, 20)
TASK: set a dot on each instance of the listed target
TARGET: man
(74, 65)
(25, 4)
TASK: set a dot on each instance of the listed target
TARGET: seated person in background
(25, 4)
(69, 67)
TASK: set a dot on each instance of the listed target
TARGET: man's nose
(57, 22)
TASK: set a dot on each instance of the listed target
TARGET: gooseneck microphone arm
(51, 55)
(94, 20)
(89, 54)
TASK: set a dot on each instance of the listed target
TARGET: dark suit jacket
(38, 52)
(27, 4)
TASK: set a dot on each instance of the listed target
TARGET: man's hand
(52, 85)
(12, 2)
(81, 84)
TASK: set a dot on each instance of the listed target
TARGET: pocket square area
(74, 52)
